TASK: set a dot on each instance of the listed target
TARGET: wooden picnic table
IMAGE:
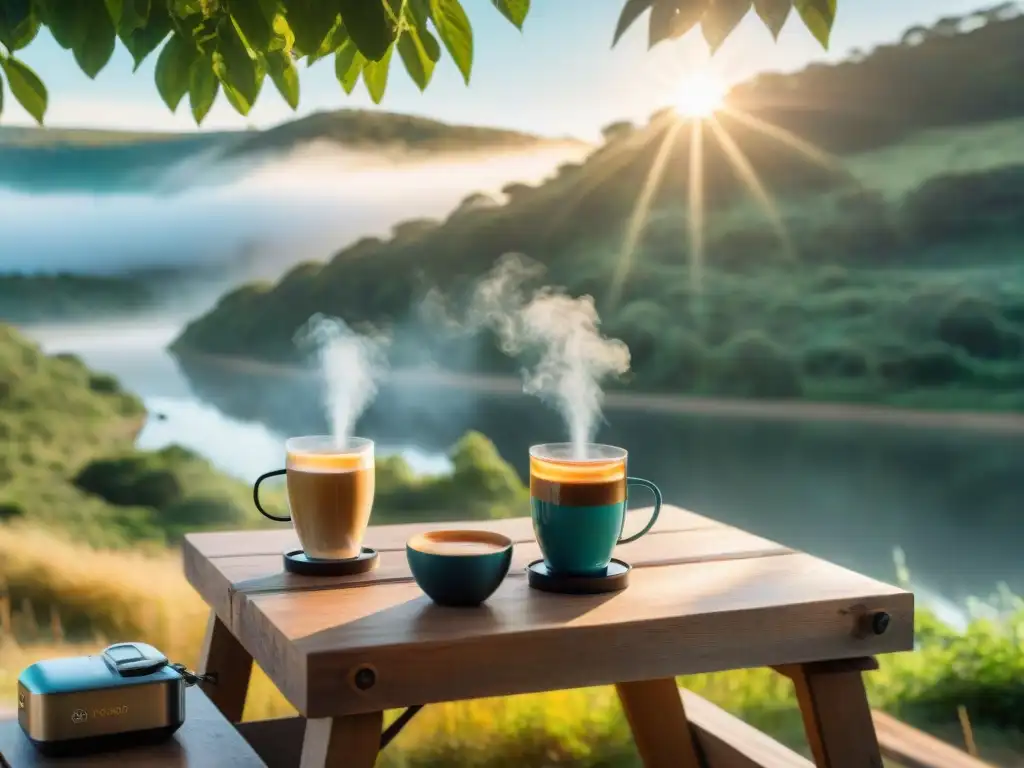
(703, 597)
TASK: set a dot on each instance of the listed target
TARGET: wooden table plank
(217, 566)
(393, 537)
(672, 620)
(264, 573)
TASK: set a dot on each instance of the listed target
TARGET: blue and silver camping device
(128, 694)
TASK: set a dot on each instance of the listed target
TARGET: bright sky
(558, 77)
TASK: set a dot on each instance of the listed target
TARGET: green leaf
(375, 75)
(418, 11)
(173, 67)
(239, 73)
(285, 76)
(671, 19)
(818, 16)
(115, 8)
(420, 51)
(774, 14)
(721, 19)
(271, 8)
(457, 35)
(370, 26)
(256, 27)
(185, 8)
(631, 11)
(513, 10)
(1, 96)
(94, 49)
(283, 39)
(202, 88)
(331, 43)
(67, 22)
(311, 21)
(143, 40)
(203, 32)
(26, 86)
(135, 14)
(348, 65)
(18, 24)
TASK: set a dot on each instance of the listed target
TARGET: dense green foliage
(59, 422)
(67, 461)
(883, 269)
(207, 46)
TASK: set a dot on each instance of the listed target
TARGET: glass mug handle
(256, 495)
(654, 517)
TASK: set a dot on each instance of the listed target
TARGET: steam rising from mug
(573, 355)
(351, 364)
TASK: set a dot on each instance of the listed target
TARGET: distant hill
(36, 159)
(859, 225)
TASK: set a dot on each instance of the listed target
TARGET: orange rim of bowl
(456, 537)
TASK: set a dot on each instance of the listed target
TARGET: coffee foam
(577, 472)
(459, 543)
(330, 462)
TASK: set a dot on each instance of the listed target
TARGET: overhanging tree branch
(207, 46)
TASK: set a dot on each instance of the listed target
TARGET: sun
(700, 95)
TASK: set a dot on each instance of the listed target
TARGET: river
(854, 493)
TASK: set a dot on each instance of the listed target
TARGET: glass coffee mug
(578, 499)
(330, 494)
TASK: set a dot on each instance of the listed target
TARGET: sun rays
(700, 95)
(701, 108)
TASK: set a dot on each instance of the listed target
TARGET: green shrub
(10, 510)
(104, 383)
(934, 366)
(752, 364)
(976, 327)
(129, 481)
(837, 361)
(680, 362)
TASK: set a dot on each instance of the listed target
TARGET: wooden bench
(724, 739)
(907, 746)
(206, 740)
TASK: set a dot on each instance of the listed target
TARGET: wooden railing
(725, 740)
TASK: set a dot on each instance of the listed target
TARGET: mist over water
(351, 365)
(573, 357)
(254, 216)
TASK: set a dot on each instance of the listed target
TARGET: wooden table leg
(656, 716)
(223, 654)
(837, 716)
(352, 741)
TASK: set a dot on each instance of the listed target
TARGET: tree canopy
(208, 46)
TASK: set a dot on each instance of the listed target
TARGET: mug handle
(657, 507)
(256, 495)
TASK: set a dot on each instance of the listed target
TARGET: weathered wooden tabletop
(703, 597)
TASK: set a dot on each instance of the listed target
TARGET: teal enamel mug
(579, 498)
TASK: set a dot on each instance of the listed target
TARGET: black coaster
(615, 578)
(297, 562)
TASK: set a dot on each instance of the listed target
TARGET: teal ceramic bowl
(459, 568)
